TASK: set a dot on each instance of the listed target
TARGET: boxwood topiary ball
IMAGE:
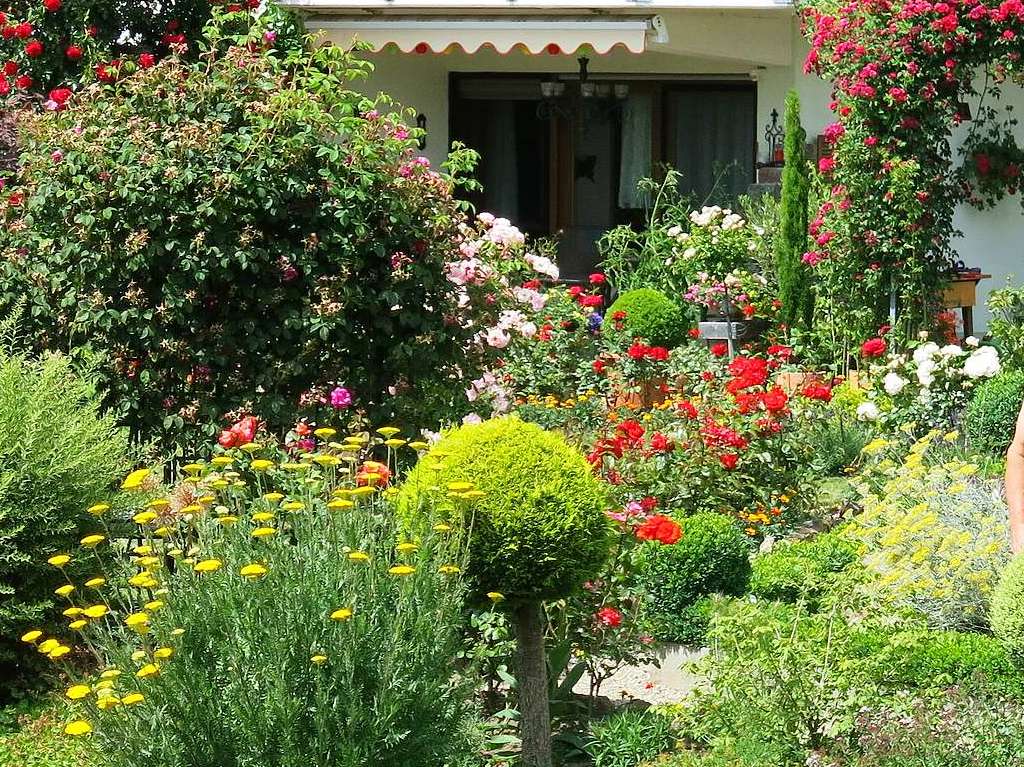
(650, 315)
(540, 529)
(1007, 611)
(991, 416)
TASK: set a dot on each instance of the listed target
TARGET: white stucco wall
(705, 42)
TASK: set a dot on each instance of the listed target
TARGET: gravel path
(648, 683)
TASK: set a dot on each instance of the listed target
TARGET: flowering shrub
(933, 537)
(992, 161)
(718, 242)
(900, 71)
(58, 459)
(748, 292)
(215, 270)
(300, 622)
(1007, 308)
(926, 389)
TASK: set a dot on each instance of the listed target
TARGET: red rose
(688, 409)
(660, 528)
(302, 428)
(597, 279)
(373, 473)
(226, 439)
(599, 365)
(660, 443)
(60, 96)
(5, 87)
(638, 350)
(73, 52)
(873, 347)
(575, 291)
(590, 301)
(658, 353)
(608, 617)
(720, 349)
(817, 391)
(648, 503)
(775, 400)
(780, 351)
(52, 5)
(729, 460)
(33, 49)
(245, 430)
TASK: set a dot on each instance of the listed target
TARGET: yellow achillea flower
(63, 591)
(227, 520)
(262, 516)
(71, 612)
(208, 566)
(144, 517)
(388, 431)
(78, 691)
(31, 636)
(394, 442)
(263, 532)
(340, 503)
(327, 460)
(47, 646)
(159, 503)
(359, 556)
(107, 702)
(253, 571)
(138, 655)
(419, 445)
(78, 728)
(59, 652)
(341, 614)
(97, 509)
(293, 506)
(261, 464)
(136, 620)
(134, 480)
(143, 581)
(150, 669)
(449, 569)
(406, 548)
(441, 527)
(360, 492)
(326, 432)
(402, 570)
(156, 604)
(222, 460)
(273, 497)
(59, 560)
(92, 541)
(78, 625)
(460, 487)
(162, 653)
(149, 563)
(192, 468)
(495, 596)
(132, 698)
(144, 550)
(319, 660)
(111, 673)
(95, 611)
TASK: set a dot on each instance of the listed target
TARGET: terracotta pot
(651, 394)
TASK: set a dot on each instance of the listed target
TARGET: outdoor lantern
(603, 98)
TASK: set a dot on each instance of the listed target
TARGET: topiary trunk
(791, 244)
(532, 676)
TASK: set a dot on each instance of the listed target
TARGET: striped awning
(431, 34)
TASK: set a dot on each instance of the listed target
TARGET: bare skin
(1015, 486)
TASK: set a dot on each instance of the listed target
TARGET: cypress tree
(791, 243)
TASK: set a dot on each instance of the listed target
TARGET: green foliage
(221, 249)
(1007, 308)
(935, 660)
(59, 456)
(299, 629)
(629, 737)
(835, 442)
(36, 739)
(1007, 616)
(802, 569)
(991, 416)
(539, 530)
(650, 315)
(791, 243)
(712, 557)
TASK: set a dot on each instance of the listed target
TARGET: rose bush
(245, 233)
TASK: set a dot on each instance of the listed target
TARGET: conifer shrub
(991, 416)
(650, 315)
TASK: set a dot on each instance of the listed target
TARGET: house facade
(570, 103)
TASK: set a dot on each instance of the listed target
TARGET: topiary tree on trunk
(538, 531)
(791, 244)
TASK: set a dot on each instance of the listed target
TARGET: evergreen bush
(991, 416)
(712, 557)
(791, 243)
(58, 457)
(801, 569)
(650, 315)
(1007, 610)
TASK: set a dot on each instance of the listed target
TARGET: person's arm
(1015, 486)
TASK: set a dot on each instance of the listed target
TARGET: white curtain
(501, 181)
(636, 148)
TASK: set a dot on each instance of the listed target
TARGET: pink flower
(497, 338)
(826, 165)
(608, 617)
(341, 398)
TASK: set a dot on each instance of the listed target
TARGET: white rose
(894, 384)
(497, 338)
(925, 352)
(972, 341)
(926, 372)
(951, 350)
(868, 411)
(983, 363)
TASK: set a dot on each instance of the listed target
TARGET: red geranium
(33, 49)
(775, 400)
(720, 349)
(52, 5)
(729, 460)
(817, 391)
(660, 443)
(73, 52)
(660, 528)
(874, 347)
(597, 279)
(608, 617)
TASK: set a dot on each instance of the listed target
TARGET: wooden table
(962, 294)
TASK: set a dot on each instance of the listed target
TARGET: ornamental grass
(272, 611)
